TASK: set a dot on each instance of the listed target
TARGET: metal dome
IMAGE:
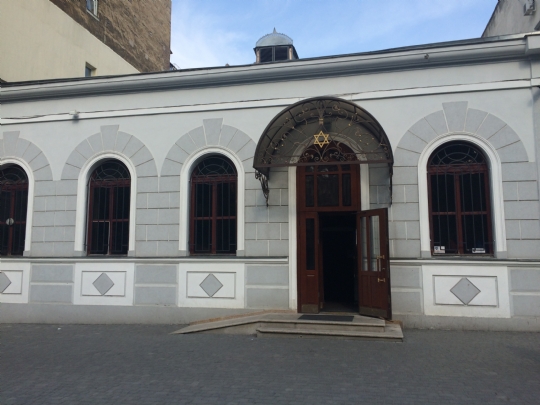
(273, 39)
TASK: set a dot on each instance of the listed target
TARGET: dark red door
(309, 266)
(373, 263)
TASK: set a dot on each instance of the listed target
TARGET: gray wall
(519, 177)
(509, 18)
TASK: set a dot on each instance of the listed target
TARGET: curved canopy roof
(273, 39)
(328, 123)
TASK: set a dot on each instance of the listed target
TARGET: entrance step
(392, 332)
(291, 325)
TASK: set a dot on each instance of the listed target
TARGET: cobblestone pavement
(121, 364)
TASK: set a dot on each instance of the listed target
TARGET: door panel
(308, 262)
(373, 263)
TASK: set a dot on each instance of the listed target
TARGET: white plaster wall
(40, 41)
(160, 131)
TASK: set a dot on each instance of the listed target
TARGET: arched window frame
(185, 191)
(108, 211)
(227, 217)
(30, 205)
(496, 191)
(82, 200)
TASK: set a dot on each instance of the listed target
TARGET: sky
(218, 32)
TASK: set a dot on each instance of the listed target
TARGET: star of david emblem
(318, 140)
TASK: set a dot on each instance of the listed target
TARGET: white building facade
(159, 132)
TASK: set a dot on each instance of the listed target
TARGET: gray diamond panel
(5, 282)
(103, 283)
(465, 291)
(211, 285)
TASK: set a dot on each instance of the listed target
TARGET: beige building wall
(513, 17)
(39, 41)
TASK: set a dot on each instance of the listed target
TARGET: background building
(513, 17)
(51, 39)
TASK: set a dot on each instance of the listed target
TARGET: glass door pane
(374, 242)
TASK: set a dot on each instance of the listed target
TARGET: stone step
(327, 325)
(279, 324)
(391, 333)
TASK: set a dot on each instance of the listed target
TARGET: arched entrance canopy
(327, 123)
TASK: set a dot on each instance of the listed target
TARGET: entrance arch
(328, 139)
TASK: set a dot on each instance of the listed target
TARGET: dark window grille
(213, 207)
(459, 199)
(109, 192)
(13, 208)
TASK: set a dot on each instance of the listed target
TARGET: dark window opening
(266, 55)
(13, 209)
(459, 199)
(109, 193)
(273, 54)
(213, 207)
(281, 53)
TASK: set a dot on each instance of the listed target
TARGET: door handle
(381, 280)
(379, 258)
(10, 221)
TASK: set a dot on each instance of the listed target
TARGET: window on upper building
(459, 200)
(213, 207)
(89, 71)
(109, 191)
(13, 207)
(91, 5)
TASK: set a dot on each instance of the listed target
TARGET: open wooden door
(373, 263)
(309, 263)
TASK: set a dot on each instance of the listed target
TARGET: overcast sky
(216, 32)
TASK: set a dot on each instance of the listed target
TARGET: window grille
(213, 207)
(459, 199)
(13, 208)
(109, 192)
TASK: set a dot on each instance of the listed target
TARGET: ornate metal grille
(213, 207)
(327, 124)
(13, 208)
(460, 214)
(109, 192)
(316, 132)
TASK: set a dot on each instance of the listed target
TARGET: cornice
(421, 57)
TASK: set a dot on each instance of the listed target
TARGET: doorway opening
(337, 234)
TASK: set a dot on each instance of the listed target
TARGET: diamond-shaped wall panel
(465, 291)
(103, 283)
(5, 282)
(211, 285)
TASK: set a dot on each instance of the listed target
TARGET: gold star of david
(318, 139)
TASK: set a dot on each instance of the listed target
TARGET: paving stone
(71, 364)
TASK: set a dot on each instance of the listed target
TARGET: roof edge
(415, 57)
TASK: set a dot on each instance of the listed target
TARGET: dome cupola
(274, 47)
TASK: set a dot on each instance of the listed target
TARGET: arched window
(459, 200)
(213, 207)
(13, 207)
(108, 209)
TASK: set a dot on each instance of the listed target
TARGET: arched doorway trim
(325, 123)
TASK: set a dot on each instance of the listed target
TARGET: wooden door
(373, 263)
(309, 263)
